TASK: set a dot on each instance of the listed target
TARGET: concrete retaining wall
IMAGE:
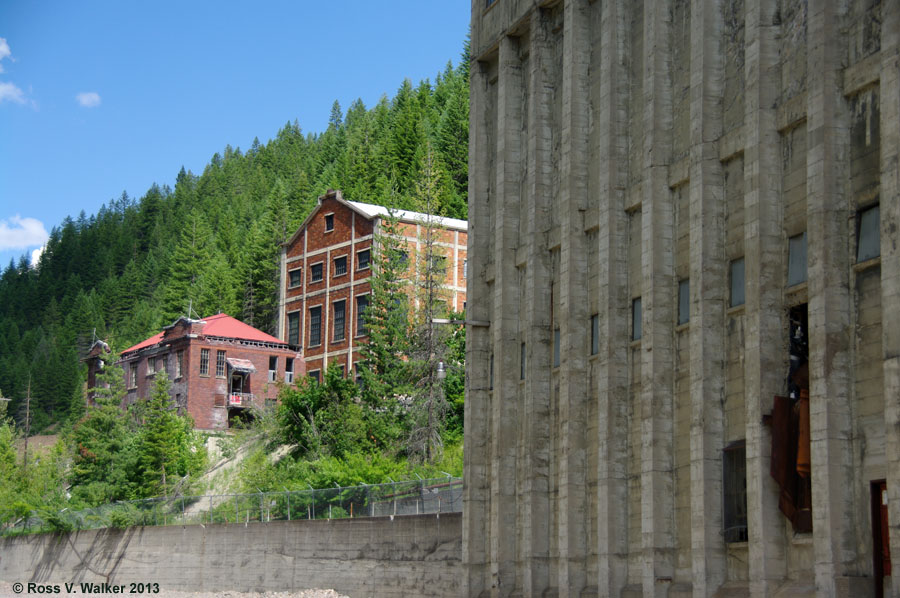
(416, 555)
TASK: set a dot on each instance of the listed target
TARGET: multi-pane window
(329, 222)
(294, 328)
(340, 265)
(362, 302)
(315, 272)
(340, 307)
(868, 235)
(684, 301)
(179, 363)
(132, 378)
(204, 362)
(797, 259)
(636, 319)
(734, 487)
(296, 277)
(273, 368)
(595, 334)
(362, 259)
(737, 282)
(314, 374)
(315, 326)
(220, 364)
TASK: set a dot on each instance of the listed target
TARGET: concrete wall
(415, 555)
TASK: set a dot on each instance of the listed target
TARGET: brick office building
(219, 368)
(325, 269)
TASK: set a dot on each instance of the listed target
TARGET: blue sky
(100, 97)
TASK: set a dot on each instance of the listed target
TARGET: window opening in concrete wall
(881, 553)
(734, 489)
(329, 222)
(684, 301)
(220, 364)
(289, 370)
(294, 328)
(362, 259)
(340, 265)
(595, 334)
(339, 311)
(273, 368)
(522, 362)
(204, 362)
(737, 282)
(315, 272)
(296, 277)
(179, 363)
(556, 347)
(315, 326)
(636, 319)
(868, 235)
(796, 259)
(362, 302)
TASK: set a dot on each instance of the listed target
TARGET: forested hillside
(212, 241)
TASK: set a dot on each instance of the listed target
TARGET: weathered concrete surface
(416, 555)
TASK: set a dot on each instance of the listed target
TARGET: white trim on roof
(373, 211)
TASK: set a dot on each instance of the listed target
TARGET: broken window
(734, 488)
(737, 282)
(204, 362)
(796, 259)
(340, 265)
(684, 301)
(339, 310)
(636, 319)
(315, 272)
(289, 370)
(315, 326)
(329, 222)
(273, 368)
(294, 328)
(179, 363)
(132, 379)
(868, 235)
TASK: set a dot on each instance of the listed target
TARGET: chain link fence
(435, 495)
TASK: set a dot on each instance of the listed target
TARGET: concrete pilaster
(764, 279)
(505, 322)
(534, 517)
(613, 302)
(835, 520)
(890, 265)
(708, 283)
(656, 409)
(574, 517)
(477, 459)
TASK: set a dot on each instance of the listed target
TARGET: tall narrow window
(362, 302)
(796, 259)
(339, 310)
(556, 347)
(737, 282)
(273, 368)
(340, 265)
(132, 379)
(595, 334)
(289, 370)
(296, 277)
(294, 328)
(315, 326)
(868, 235)
(636, 319)
(522, 362)
(329, 222)
(684, 301)
(179, 363)
(314, 374)
(734, 487)
(220, 364)
(315, 272)
(204, 362)
(362, 259)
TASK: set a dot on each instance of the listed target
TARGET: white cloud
(21, 233)
(9, 92)
(36, 255)
(88, 99)
(4, 51)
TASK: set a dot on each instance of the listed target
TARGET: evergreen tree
(190, 261)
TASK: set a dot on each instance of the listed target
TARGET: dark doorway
(880, 536)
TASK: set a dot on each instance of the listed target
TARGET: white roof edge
(372, 211)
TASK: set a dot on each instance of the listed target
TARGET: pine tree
(190, 261)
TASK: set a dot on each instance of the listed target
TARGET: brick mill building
(683, 376)
(325, 269)
(219, 368)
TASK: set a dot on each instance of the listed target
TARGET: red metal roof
(221, 325)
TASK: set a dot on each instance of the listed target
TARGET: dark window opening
(556, 351)
(315, 272)
(737, 282)
(362, 303)
(636, 319)
(329, 222)
(315, 326)
(294, 328)
(296, 278)
(273, 368)
(204, 362)
(684, 301)
(289, 370)
(796, 259)
(340, 265)
(314, 374)
(362, 259)
(734, 487)
(595, 334)
(868, 234)
(339, 310)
